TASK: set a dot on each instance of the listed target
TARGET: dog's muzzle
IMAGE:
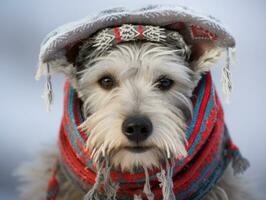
(137, 128)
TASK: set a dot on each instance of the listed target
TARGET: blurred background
(26, 127)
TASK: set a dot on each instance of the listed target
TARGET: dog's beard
(106, 140)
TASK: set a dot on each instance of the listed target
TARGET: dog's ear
(65, 65)
(204, 56)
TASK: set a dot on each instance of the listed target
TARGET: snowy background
(25, 126)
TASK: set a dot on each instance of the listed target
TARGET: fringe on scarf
(239, 163)
(94, 193)
(103, 177)
(110, 188)
(166, 181)
(147, 187)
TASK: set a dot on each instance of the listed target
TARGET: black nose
(137, 128)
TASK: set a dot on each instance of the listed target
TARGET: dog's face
(136, 103)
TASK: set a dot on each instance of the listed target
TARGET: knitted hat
(200, 33)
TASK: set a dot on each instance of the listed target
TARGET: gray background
(25, 126)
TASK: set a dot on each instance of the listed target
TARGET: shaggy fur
(135, 67)
(136, 72)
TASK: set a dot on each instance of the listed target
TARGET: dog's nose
(137, 128)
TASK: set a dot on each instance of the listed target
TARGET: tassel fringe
(166, 182)
(48, 90)
(240, 164)
(226, 76)
(103, 177)
(94, 194)
(147, 187)
(110, 187)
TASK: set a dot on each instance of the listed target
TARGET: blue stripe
(203, 125)
(202, 128)
(72, 139)
(218, 172)
(71, 114)
(196, 109)
(208, 110)
(210, 167)
(80, 116)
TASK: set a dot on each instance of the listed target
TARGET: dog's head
(137, 102)
(136, 96)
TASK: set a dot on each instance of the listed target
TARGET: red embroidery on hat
(197, 32)
(140, 30)
(117, 34)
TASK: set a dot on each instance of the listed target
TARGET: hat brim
(196, 28)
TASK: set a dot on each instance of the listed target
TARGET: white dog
(137, 103)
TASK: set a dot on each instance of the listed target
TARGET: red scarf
(209, 147)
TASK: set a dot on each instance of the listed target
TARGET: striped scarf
(209, 148)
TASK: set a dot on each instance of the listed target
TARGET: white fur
(136, 69)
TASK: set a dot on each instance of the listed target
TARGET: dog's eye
(107, 82)
(164, 83)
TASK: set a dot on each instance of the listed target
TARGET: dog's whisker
(99, 152)
(96, 132)
(92, 153)
(104, 149)
(167, 149)
(177, 149)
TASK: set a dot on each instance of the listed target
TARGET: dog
(136, 101)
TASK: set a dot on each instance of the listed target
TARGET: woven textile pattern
(193, 176)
